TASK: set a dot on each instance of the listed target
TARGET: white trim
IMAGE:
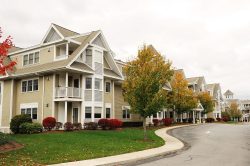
(43, 99)
(11, 99)
(79, 53)
(113, 89)
(28, 53)
(28, 105)
(53, 91)
(29, 79)
(48, 31)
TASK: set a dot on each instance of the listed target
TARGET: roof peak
(64, 28)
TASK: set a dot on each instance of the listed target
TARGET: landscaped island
(51, 148)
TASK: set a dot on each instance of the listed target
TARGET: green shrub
(4, 138)
(30, 128)
(17, 120)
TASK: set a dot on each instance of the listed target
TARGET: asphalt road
(210, 145)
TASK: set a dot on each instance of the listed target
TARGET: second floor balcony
(68, 92)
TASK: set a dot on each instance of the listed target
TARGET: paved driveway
(211, 145)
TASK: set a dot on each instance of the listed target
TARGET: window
(36, 57)
(88, 83)
(22, 111)
(32, 112)
(107, 87)
(35, 85)
(98, 83)
(25, 60)
(24, 86)
(107, 112)
(31, 58)
(88, 112)
(125, 114)
(98, 115)
(30, 85)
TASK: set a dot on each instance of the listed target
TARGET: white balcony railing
(70, 92)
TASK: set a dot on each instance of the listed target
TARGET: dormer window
(31, 58)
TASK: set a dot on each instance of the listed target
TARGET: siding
(119, 102)
(6, 103)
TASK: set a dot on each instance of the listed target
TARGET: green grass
(53, 148)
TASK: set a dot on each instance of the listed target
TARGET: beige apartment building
(70, 76)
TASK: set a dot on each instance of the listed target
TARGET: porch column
(193, 117)
(67, 49)
(181, 117)
(66, 83)
(82, 115)
(200, 116)
(65, 111)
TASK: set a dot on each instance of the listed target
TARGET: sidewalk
(171, 144)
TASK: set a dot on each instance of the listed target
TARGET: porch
(68, 85)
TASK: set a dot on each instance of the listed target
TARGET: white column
(92, 113)
(67, 49)
(181, 117)
(113, 91)
(200, 116)
(66, 83)
(193, 117)
(65, 111)
(82, 103)
(54, 89)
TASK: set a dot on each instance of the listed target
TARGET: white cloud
(209, 38)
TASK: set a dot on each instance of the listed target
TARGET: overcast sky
(204, 37)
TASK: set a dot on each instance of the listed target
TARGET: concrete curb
(172, 144)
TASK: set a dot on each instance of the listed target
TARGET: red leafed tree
(6, 63)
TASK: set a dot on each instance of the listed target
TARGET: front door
(75, 115)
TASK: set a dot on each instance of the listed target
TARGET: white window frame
(27, 85)
(126, 108)
(29, 106)
(100, 85)
(90, 82)
(28, 54)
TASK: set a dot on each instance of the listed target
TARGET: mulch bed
(10, 146)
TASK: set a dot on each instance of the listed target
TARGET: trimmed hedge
(167, 121)
(4, 139)
(156, 122)
(49, 123)
(115, 123)
(17, 120)
(90, 126)
(210, 120)
(103, 123)
(30, 128)
(68, 126)
(77, 126)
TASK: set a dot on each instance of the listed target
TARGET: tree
(234, 112)
(5, 62)
(143, 87)
(206, 101)
(182, 98)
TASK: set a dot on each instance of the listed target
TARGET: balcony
(68, 92)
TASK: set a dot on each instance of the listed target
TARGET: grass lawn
(50, 148)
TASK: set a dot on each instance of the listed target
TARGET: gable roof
(64, 31)
(84, 40)
(214, 88)
(228, 92)
(195, 80)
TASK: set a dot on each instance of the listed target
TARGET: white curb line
(171, 144)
